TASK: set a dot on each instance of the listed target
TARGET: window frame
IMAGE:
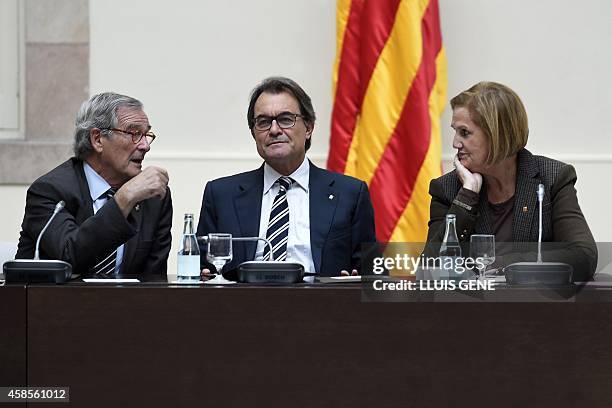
(17, 132)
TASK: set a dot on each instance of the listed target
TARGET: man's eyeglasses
(136, 135)
(284, 121)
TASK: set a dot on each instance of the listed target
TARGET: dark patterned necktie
(278, 226)
(106, 267)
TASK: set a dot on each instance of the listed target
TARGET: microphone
(552, 273)
(37, 270)
(265, 240)
(58, 207)
(540, 199)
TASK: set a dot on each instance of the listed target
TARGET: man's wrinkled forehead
(132, 118)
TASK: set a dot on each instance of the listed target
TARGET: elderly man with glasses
(311, 216)
(117, 215)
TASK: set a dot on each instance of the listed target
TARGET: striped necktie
(106, 267)
(278, 226)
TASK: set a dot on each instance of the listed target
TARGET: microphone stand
(539, 272)
(37, 270)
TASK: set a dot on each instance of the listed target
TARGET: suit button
(462, 237)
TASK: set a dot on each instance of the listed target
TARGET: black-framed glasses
(285, 120)
(136, 135)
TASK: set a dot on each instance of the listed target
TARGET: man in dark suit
(117, 216)
(312, 216)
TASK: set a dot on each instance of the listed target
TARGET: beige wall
(193, 64)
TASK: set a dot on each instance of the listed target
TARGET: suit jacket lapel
(483, 223)
(323, 202)
(86, 209)
(527, 181)
(130, 246)
(248, 209)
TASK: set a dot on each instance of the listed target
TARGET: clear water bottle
(450, 251)
(188, 254)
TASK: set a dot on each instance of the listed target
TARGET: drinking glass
(219, 253)
(482, 249)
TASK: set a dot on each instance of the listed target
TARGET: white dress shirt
(298, 244)
(97, 187)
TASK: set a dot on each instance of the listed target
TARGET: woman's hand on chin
(469, 180)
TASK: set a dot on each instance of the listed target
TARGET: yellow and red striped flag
(389, 92)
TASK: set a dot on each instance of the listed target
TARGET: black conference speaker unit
(271, 272)
(542, 273)
(36, 271)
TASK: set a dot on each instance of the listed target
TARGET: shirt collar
(300, 176)
(97, 185)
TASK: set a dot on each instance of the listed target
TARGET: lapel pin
(331, 197)
(137, 207)
(525, 209)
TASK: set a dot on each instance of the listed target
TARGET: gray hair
(276, 85)
(100, 111)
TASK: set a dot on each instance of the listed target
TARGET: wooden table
(159, 345)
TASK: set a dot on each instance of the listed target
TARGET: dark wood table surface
(158, 345)
(13, 338)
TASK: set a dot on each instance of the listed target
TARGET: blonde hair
(500, 113)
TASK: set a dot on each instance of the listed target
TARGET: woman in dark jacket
(493, 189)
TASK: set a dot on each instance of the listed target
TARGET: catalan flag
(389, 90)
